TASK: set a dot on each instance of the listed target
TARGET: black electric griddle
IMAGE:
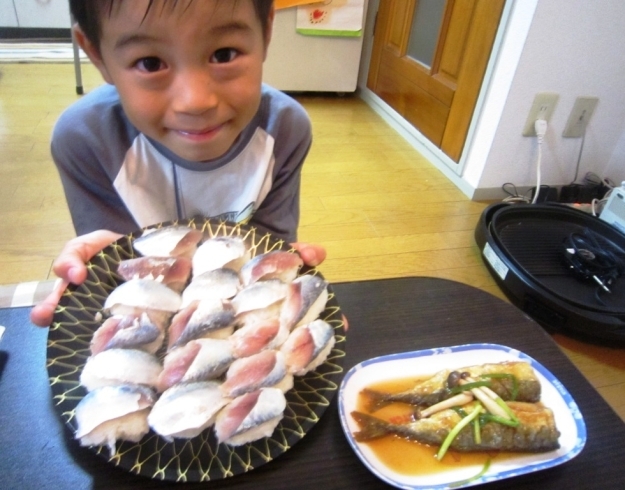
(523, 247)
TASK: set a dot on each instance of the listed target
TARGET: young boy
(184, 127)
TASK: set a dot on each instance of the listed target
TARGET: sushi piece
(198, 360)
(535, 433)
(128, 332)
(510, 380)
(201, 319)
(173, 272)
(219, 283)
(305, 301)
(120, 366)
(260, 302)
(259, 295)
(308, 347)
(218, 252)
(250, 417)
(255, 337)
(111, 413)
(277, 264)
(267, 368)
(170, 241)
(139, 295)
(185, 410)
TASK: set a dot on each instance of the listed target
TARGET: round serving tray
(200, 458)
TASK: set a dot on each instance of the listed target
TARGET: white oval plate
(554, 395)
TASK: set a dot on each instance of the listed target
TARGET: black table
(386, 316)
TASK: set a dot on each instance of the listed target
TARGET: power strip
(614, 210)
(581, 193)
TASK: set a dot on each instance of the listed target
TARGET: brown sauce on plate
(408, 457)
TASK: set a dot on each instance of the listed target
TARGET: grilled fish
(536, 432)
(510, 380)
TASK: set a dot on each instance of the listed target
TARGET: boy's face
(188, 73)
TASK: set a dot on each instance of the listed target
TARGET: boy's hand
(70, 267)
(311, 254)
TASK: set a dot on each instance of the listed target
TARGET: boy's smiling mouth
(199, 133)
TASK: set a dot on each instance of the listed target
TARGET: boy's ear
(91, 51)
(268, 32)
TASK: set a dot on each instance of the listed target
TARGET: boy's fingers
(43, 313)
(70, 264)
(312, 255)
(70, 267)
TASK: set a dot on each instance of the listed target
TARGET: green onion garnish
(456, 430)
(489, 417)
(459, 411)
(477, 433)
(473, 478)
(506, 409)
(468, 386)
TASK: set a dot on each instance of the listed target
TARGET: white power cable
(541, 128)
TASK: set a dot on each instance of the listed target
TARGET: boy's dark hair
(87, 14)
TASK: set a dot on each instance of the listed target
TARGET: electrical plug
(540, 126)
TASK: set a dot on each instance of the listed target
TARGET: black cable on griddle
(589, 258)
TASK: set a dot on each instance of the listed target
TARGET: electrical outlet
(579, 117)
(542, 108)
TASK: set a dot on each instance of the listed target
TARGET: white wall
(574, 47)
(8, 16)
(34, 13)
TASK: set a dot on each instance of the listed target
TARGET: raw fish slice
(128, 332)
(259, 295)
(271, 265)
(110, 413)
(218, 252)
(256, 337)
(173, 272)
(120, 366)
(267, 368)
(174, 241)
(185, 410)
(308, 347)
(250, 417)
(138, 295)
(199, 320)
(198, 360)
(219, 283)
(268, 314)
(305, 301)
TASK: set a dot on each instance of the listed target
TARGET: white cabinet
(310, 63)
(35, 13)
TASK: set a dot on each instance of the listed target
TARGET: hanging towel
(331, 18)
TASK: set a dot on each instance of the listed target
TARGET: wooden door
(437, 97)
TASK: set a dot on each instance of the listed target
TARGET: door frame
(513, 28)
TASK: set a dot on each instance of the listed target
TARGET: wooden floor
(377, 205)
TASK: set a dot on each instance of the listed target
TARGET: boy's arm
(291, 128)
(91, 198)
(88, 146)
(70, 267)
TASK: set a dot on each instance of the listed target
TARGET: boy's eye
(150, 64)
(224, 55)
